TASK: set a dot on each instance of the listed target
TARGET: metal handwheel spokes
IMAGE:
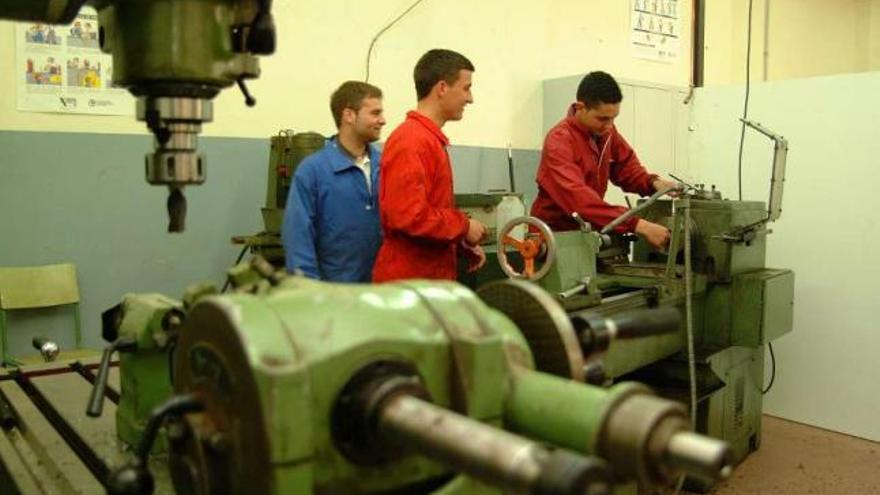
(536, 243)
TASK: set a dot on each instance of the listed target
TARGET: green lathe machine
(713, 272)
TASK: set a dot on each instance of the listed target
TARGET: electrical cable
(742, 138)
(745, 116)
(772, 369)
(382, 31)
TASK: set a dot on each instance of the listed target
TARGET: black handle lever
(135, 478)
(96, 399)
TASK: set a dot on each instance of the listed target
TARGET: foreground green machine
(713, 272)
(291, 386)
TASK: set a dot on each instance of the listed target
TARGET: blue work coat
(331, 223)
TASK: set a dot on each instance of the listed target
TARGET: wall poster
(656, 29)
(62, 69)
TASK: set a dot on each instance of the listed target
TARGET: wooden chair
(30, 287)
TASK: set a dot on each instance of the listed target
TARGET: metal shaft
(699, 455)
(491, 455)
(629, 213)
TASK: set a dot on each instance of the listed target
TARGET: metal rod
(699, 455)
(699, 46)
(494, 456)
(510, 168)
(491, 455)
(629, 213)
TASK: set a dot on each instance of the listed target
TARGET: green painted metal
(576, 253)
(560, 411)
(284, 355)
(144, 379)
(286, 150)
(764, 301)
(139, 34)
(303, 342)
(739, 305)
(717, 258)
(493, 210)
(51, 11)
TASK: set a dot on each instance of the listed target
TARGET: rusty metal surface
(68, 394)
(210, 363)
(56, 464)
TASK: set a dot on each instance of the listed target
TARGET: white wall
(829, 234)
(791, 38)
(515, 44)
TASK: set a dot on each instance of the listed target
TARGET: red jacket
(574, 172)
(421, 226)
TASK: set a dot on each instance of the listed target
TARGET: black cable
(237, 261)
(382, 31)
(772, 369)
(742, 135)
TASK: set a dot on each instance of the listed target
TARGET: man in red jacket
(581, 153)
(422, 229)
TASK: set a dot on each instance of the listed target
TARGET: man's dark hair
(351, 95)
(598, 87)
(438, 65)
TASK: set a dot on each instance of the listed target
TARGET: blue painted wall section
(82, 198)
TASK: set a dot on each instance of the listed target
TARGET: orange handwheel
(528, 249)
(538, 242)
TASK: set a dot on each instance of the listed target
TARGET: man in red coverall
(581, 153)
(422, 229)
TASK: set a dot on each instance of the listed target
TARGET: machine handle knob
(135, 478)
(96, 399)
(48, 349)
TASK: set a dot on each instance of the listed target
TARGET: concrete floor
(803, 460)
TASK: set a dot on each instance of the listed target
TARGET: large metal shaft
(629, 213)
(699, 455)
(489, 454)
(642, 436)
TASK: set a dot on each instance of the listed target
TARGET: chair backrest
(24, 287)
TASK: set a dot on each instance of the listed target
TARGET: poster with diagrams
(656, 29)
(62, 69)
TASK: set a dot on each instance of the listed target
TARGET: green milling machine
(294, 386)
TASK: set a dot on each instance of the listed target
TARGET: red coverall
(574, 172)
(421, 227)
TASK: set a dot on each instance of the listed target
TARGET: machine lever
(249, 100)
(135, 478)
(596, 332)
(96, 400)
(648, 202)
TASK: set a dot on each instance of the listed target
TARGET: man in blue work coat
(331, 224)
